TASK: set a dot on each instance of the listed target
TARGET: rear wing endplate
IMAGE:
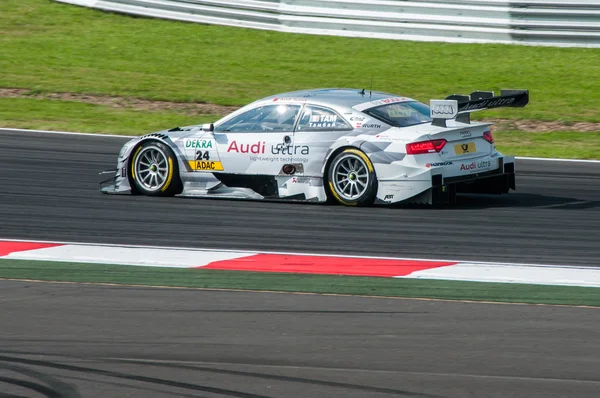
(459, 107)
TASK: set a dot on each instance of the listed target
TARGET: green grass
(50, 47)
(197, 278)
(86, 118)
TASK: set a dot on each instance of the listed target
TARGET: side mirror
(208, 127)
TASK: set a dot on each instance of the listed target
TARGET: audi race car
(327, 145)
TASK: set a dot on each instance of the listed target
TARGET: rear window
(401, 114)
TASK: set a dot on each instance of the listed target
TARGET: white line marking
(560, 160)
(579, 202)
(134, 136)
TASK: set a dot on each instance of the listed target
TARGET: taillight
(487, 135)
(417, 148)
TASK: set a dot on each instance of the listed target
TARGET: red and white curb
(300, 263)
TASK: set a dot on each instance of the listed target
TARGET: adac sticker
(205, 165)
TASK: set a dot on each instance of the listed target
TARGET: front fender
(120, 182)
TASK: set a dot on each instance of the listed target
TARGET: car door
(257, 141)
(317, 129)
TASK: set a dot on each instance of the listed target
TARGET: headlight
(126, 147)
(123, 150)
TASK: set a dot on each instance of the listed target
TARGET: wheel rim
(151, 168)
(350, 177)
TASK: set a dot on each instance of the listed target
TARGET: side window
(263, 118)
(321, 119)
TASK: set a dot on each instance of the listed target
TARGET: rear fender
(337, 147)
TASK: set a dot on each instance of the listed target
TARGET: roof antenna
(370, 88)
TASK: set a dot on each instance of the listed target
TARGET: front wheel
(351, 178)
(154, 171)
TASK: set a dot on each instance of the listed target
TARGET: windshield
(401, 114)
(263, 118)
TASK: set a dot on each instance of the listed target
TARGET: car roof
(346, 97)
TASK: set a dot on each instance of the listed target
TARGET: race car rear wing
(459, 107)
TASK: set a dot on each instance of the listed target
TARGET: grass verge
(556, 144)
(88, 118)
(198, 278)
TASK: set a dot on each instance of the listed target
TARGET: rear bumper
(498, 181)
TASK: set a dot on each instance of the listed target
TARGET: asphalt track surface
(50, 192)
(72, 340)
(108, 341)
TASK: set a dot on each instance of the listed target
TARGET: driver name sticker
(322, 121)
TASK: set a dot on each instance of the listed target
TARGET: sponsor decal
(439, 164)
(357, 119)
(442, 109)
(205, 165)
(475, 165)
(259, 148)
(256, 148)
(322, 121)
(371, 126)
(388, 197)
(300, 180)
(273, 159)
(461, 149)
(392, 100)
(290, 99)
(488, 103)
(284, 149)
(199, 144)
(388, 100)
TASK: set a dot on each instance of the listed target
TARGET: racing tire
(154, 171)
(351, 178)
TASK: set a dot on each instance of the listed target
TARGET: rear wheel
(351, 178)
(154, 170)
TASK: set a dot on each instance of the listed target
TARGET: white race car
(339, 145)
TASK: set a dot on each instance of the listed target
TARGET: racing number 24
(200, 155)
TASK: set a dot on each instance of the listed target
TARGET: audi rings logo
(443, 109)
